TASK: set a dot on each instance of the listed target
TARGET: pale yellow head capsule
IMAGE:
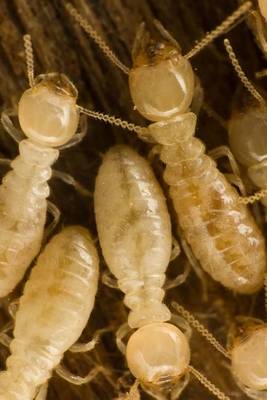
(249, 356)
(248, 135)
(47, 111)
(161, 81)
(157, 354)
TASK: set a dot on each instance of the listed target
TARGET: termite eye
(158, 352)
(248, 135)
(47, 112)
(249, 359)
(164, 89)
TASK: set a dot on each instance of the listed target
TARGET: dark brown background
(60, 45)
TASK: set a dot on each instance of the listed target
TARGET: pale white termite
(247, 132)
(247, 351)
(57, 301)
(49, 117)
(135, 237)
(220, 230)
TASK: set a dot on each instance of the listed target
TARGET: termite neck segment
(47, 112)
(158, 353)
(248, 349)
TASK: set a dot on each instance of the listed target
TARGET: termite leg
(224, 151)
(123, 330)
(109, 280)
(179, 279)
(155, 151)
(180, 386)
(193, 262)
(68, 376)
(182, 324)
(42, 392)
(5, 339)
(54, 211)
(175, 249)
(78, 137)
(261, 74)
(84, 347)
(8, 125)
(13, 308)
(69, 180)
(134, 393)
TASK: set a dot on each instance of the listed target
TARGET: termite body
(137, 243)
(221, 231)
(53, 311)
(135, 237)
(49, 117)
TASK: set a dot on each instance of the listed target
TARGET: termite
(219, 228)
(246, 352)
(247, 132)
(135, 237)
(49, 118)
(258, 23)
(54, 309)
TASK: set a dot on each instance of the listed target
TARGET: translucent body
(53, 311)
(248, 142)
(48, 116)
(158, 353)
(134, 232)
(249, 357)
(221, 233)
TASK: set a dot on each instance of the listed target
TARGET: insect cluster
(206, 221)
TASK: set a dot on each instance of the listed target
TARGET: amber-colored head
(161, 80)
(47, 111)
(248, 349)
(157, 354)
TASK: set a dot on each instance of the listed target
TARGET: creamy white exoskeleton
(220, 230)
(248, 129)
(135, 236)
(57, 301)
(134, 230)
(49, 117)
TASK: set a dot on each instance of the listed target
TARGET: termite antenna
(200, 328)
(265, 294)
(96, 38)
(207, 384)
(221, 29)
(241, 74)
(29, 58)
(260, 194)
(112, 120)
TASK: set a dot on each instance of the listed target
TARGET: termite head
(47, 111)
(263, 8)
(248, 131)
(158, 355)
(248, 349)
(161, 80)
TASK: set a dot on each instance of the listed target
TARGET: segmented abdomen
(23, 207)
(134, 230)
(54, 309)
(222, 233)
